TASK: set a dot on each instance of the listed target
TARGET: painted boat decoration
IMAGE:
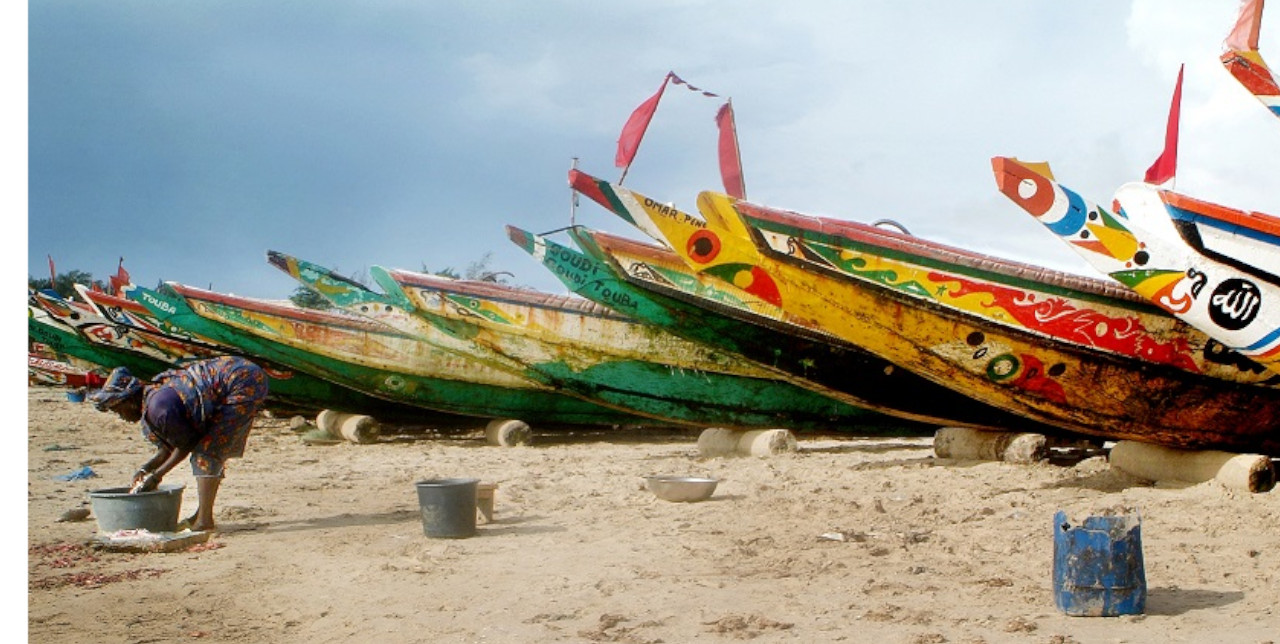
(614, 359)
(709, 311)
(1243, 60)
(1095, 314)
(593, 279)
(65, 339)
(395, 310)
(123, 311)
(1077, 388)
(98, 329)
(369, 357)
(56, 373)
(1140, 248)
(1247, 241)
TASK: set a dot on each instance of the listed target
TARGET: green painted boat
(617, 360)
(596, 280)
(366, 356)
(43, 328)
(290, 391)
(717, 311)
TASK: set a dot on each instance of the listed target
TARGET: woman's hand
(144, 481)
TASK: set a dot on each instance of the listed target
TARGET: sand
(846, 540)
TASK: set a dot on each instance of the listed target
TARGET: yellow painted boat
(1073, 386)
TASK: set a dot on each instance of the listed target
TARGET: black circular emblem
(1234, 304)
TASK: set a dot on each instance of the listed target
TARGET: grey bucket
(448, 507)
(154, 511)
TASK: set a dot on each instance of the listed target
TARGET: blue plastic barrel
(1097, 566)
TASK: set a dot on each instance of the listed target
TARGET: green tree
(64, 283)
(478, 270)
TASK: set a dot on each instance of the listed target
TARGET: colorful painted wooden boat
(519, 326)
(1109, 394)
(1243, 60)
(669, 294)
(91, 338)
(1139, 247)
(56, 373)
(63, 338)
(617, 360)
(594, 280)
(1248, 241)
(126, 312)
(98, 329)
(369, 357)
(769, 336)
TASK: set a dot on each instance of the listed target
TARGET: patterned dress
(220, 398)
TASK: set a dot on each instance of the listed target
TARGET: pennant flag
(634, 130)
(120, 279)
(53, 277)
(1166, 165)
(680, 81)
(730, 157)
(1243, 60)
(1244, 36)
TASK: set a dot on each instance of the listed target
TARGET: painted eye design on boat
(703, 246)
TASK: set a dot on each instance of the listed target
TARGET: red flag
(1166, 164)
(730, 158)
(633, 131)
(1244, 37)
(120, 279)
(53, 277)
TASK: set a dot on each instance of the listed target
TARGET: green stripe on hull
(751, 402)
(457, 397)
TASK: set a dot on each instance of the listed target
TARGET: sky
(190, 138)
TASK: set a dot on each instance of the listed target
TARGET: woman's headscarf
(120, 385)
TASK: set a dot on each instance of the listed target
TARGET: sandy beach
(846, 540)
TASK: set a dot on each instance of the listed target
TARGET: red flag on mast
(1244, 37)
(730, 157)
(53, 277)
(633, 131)
(1166, 165)
(120, 279)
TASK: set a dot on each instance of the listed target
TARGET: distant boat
(63, 338)
(1140, 247)
(369, 357)
(55, 372)
(882, 307)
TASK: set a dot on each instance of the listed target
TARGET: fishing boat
(1247, 241)
(79, 331)
(595, 280)
(367, 356)
(1243, 60)
(883, 307)
(669, 294)
(65, 339)
(57, 373)
(1232, 301)
(96, 328)
(581, 348)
